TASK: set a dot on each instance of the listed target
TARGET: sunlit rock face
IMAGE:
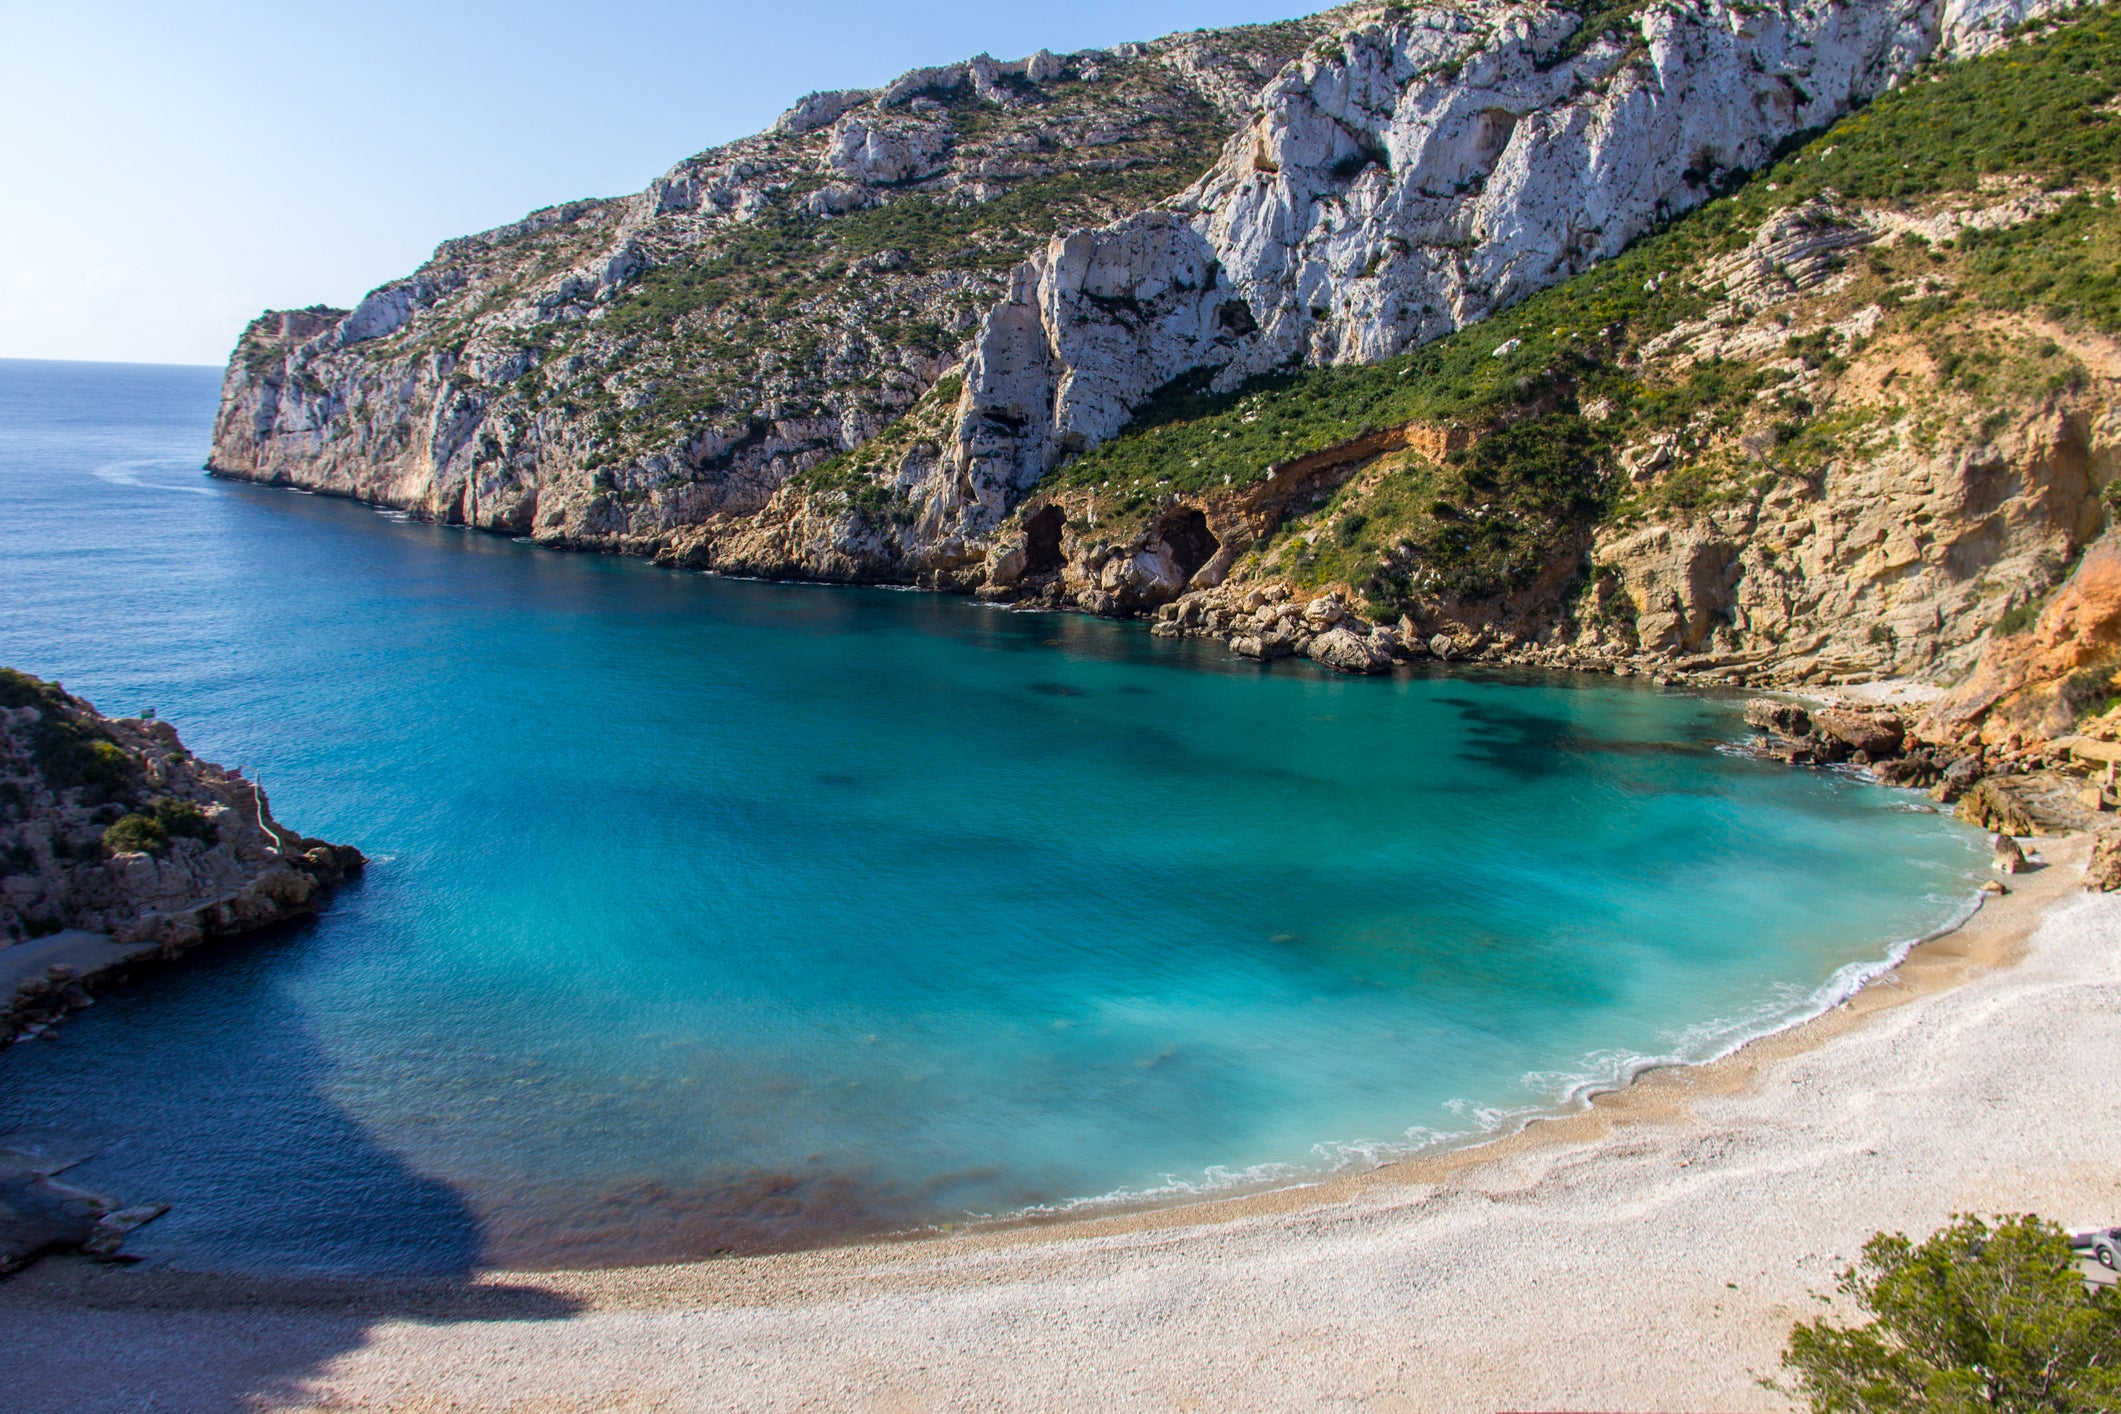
(1409, 175)
(654, 374)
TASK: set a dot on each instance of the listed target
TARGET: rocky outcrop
(112, 834)
(2029, 803)
(2102, 873)
(2034, 684)
(1829, 734)
(40, 1212)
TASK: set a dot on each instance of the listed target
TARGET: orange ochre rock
(2033, 684)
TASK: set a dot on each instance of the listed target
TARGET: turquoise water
(714, 915)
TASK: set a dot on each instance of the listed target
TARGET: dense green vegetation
(69, 751)
(2036, 113)
(1486, 521)
(150, 832)
(2068, 265)
(1973, 1319)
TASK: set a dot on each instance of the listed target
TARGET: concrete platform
(87, 953)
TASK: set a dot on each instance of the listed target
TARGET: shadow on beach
(329, 1236)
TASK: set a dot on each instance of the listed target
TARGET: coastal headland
(122, 850)
(1649, 1251)
(122, 846)
(1703, 342)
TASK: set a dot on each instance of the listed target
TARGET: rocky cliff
(645, 374)
(1853, 420)
(608, 373)
(109, 826)
(1762, 341)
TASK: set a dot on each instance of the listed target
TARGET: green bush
(2016, 619)
(70, 750)
(151, 832)
(135, 834)
(18, 690)
(1996, 1320)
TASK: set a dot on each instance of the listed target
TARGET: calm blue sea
(713, 915)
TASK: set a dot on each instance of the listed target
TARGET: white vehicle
(2104, 1243)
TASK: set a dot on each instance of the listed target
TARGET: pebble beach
(1651, 1251)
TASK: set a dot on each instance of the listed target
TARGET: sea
(715, 917)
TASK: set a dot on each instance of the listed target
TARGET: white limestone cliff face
(1412, 171)
(617, 374)
(1407, 177)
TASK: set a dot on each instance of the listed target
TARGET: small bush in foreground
(1974, 1319)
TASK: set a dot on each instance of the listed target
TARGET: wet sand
(1649, 1252)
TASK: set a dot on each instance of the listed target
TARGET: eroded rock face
(2028, 803)
(111, 826)
(883, 152)
(1426, 169)
(1386, 176)
(643, 375)
(2102, 873)
(2033, 684)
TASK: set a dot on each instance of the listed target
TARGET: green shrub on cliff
(151, 832)
(1486, 520)
(1974, 1319)
(70, 752)
(19, 690)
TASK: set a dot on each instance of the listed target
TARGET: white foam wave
(1712, 1040)
(129, 474)
(1560, 1092)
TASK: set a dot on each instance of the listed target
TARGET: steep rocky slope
(1776, 343)
(604, 373)
(112, 827)
(1852, 421)
(646, 374)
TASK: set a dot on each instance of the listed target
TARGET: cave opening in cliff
(1042, 539)
(1192, 543)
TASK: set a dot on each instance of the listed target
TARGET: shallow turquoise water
(723, 915)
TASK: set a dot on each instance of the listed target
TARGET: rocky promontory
(120, 847)
(1010, 260)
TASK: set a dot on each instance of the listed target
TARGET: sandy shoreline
(1648, 1251)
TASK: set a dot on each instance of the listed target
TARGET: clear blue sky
(170, 169)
